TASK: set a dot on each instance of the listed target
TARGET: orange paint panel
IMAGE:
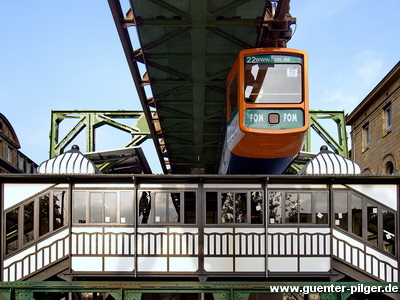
(269, 146)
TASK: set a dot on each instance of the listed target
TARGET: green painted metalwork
(241, 295)
(326, 132)
(91, 120)
(188, 48)
(221, 290)
(335, 296)
(339, 145)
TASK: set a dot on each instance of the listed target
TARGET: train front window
(273, 83)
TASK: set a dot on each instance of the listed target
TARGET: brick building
(375, 127)
(11, 159)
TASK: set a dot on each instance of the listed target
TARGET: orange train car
(267, 111)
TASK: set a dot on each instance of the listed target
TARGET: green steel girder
(221, 290)
(91, 120)
(338, 145)
(335, 296)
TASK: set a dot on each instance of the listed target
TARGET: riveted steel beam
(91, 120)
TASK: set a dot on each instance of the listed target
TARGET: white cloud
(355, 80)
(340, 99)
(369, 66)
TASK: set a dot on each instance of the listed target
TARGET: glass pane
(126, 207)
(341, 214)
(389, 231)
(256, 207)
(96, 207)
(305, 208)
(174, 208)
(144, 207)
(59, 209)
(190, 207)
(291, 208)
(275, 207)
(79, 204)
(321, 208)
(110, 207)
(227, 206)
(356, 211)
(28, 223)
(372, 226)
(12, 231)
(160, 214)
(211, 208)
(44, 215)
(273, 83)
(241, 208)
(389, 118)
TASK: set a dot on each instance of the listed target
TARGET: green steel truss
(338, 144)
(333, 134)
(90, 121)
(221, 290)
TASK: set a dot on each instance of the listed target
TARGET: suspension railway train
(266, 111)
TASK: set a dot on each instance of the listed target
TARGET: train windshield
(273, 83)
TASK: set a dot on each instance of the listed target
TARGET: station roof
(188, 48)
(130, 160)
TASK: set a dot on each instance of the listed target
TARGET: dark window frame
(367, 202)
(314, 213)
(388, 118)
(366, 136)
(35, 233)
(89, 209)
(146, 213)
(250, 215)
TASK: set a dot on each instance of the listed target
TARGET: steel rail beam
(118, 17)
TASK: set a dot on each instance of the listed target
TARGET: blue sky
(67, 55)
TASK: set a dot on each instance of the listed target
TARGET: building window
(388, 233)
(12, 230)
(341, 210)
(389, 168)
(21, 162)
(366, 137)
(29, 222)
(96, 206)
(44, 213)
(167, 207)
(388, 165)
(295, 207)
(370, 221)
(241, 207)
(388, 118)
(357, 213)
(34, 218)
(59, 209)
(79, 207)
(367, 172)
(9, 154)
